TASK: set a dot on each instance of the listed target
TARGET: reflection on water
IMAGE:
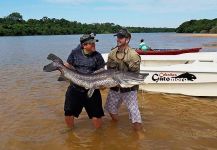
(31, 112)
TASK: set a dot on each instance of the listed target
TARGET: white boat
(193, 74)
(196, 79)
(164, 60)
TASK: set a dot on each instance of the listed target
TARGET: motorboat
(193, 74)
(168, 51)
(194, 79)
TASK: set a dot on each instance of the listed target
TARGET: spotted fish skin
(96, 80)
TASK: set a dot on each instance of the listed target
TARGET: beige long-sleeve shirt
(125, 60)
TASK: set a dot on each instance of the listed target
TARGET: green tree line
(198, 26)
(14, 24)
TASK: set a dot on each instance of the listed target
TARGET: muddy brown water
(31, 117)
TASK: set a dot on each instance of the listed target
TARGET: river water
(31, 102)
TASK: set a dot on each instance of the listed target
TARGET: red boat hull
(167, 51)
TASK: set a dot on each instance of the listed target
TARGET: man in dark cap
(124, 58)
(85, 59)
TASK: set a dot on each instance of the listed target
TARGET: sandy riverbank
(198, 35)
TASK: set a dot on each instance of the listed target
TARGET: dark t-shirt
(85, 64)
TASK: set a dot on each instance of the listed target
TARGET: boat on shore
(168, 51)
(165, 60)
(193, 74)
(187, 58)
(195, 79)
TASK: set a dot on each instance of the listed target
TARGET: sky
(137, 13)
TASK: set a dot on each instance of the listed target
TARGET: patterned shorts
(115, 99)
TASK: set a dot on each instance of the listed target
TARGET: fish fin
(125, 85)
(61, 78)
(118, 79)
(99, 70)
(90, 92)
(54, 58)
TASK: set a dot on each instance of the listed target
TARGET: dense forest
(198, 26)
(14, 24)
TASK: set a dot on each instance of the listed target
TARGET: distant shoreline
(198, 34)
(15, 25)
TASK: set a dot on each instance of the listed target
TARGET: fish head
(52, 67)
(132, 78)
(135, 76)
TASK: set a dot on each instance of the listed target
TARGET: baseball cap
(123, 33)
(88, 38)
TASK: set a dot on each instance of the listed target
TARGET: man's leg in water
(113, 103)
(114, 117)
(94, 109)
(73, 105)
(97, 122)
(69, 120)
(130, 99)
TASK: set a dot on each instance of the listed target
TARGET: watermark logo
(173, 77)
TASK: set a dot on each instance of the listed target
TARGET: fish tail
(54, 58)
(50, 67)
